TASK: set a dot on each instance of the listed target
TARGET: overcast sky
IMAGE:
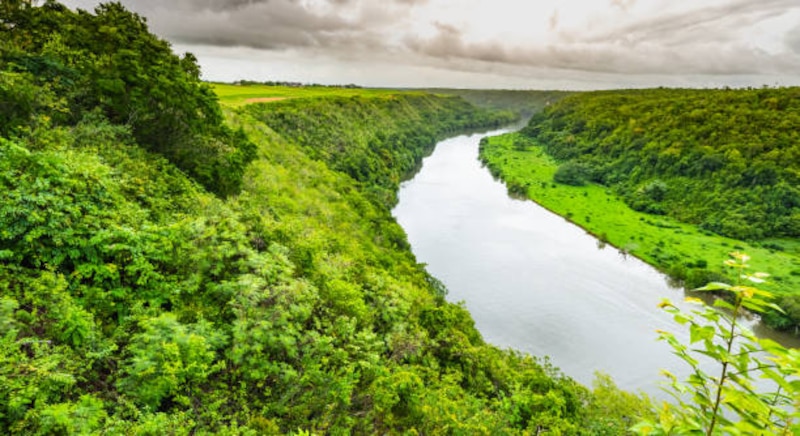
(541, 44)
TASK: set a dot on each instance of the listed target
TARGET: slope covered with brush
(210, 282)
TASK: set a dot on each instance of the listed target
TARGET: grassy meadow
(658, 240)
(240, 95)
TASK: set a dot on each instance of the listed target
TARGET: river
(534, 281)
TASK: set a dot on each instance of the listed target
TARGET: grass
(239, 95)
(660, 241)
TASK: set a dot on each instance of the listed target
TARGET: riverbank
(531, 281)
(682, 251)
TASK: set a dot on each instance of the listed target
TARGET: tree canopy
(66, 65)
(727, 160)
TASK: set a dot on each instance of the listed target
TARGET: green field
(239, 95)
(678, 249)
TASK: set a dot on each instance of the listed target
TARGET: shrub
(572, 173)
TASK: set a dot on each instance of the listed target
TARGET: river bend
(532, 280)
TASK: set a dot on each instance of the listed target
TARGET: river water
(534, 281)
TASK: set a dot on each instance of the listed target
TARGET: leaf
(681, 318)
(700, 333)
(722, 304)
(715, 286)
(694, 300)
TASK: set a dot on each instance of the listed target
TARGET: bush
(572, 173)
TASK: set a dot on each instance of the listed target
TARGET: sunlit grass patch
(671, 246)
(238, 95)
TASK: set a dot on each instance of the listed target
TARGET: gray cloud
(345, 25)
(552, 23)
(718, 22)
(623, 4)
(266, 24)
(793, 40)
(449, 44)
(700, 41)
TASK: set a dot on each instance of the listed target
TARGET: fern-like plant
(730, 401)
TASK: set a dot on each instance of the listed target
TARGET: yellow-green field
(238, 95)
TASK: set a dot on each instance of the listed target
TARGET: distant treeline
(291, 84)
(522, 102)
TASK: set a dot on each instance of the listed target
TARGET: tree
(170, 360)
(110, 62)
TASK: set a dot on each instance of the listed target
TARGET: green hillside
(377, 140)
(706, 172)
(522, 102)
(170, 267)
(726, 160)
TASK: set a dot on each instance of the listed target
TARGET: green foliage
(22, 101)
(648, 198)
(170, 360)
(728, 157)
(375, 140)
(572, 173)
(83, 417)
(616, 411)
(730, 402)
(65, 64)
(136, 302)
(634, 221)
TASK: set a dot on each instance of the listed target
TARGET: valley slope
(170, 266)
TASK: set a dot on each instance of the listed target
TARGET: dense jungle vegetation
(168, 267)
(726, 162)
(377, 141)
